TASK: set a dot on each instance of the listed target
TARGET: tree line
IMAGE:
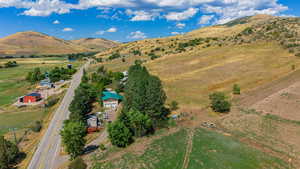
(143, 108)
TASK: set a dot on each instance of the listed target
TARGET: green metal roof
(111, 95)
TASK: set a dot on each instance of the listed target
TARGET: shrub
(78, 163)
(102, 147)
(36, 127)
(51, 102)
(119, 134)
(236, 89)
(219, 102)
(173, 105)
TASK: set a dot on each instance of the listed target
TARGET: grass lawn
(21, 119)
(212, 150)
(166, 152)
(12, 80)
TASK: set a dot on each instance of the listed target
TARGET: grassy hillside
(28, 43)
(96, 44)
(250, 51)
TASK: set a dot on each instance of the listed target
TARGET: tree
(236, 89)
(219, 102)
(78, 163)
(8, 153)
(35, 75)
(173, 105)
(119, 134)
(73, 134)
(140, 124)
(144, 93)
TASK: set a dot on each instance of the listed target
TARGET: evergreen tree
(119, 134)
(73, 134)
(140, 124)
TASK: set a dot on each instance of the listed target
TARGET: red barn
(31, 98)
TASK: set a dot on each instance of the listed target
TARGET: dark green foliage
(140, 124)
(102, 147)
(36, 127)
(114, 56)
(51, 102)
(144, 93)
(193, 42)
(85, 95)
(77, 163)
(73, 134)
(153, 56)
(119, 134)
(219, 102)
(35, 76)
(173, 105)
(236, 89)
(8, 153)
(137, 52)
(247, 31)
(297, 54)
(10, 64)
(58, 74)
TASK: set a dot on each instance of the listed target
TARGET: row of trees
(143, 108)
(74, 130)
(56, 74)
(9, 64)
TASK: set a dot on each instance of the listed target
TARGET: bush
(173, 105)
(36, 127)
(78, 163)
(219, 102)
(236, 89)
(119, 134)
(102, 147)
(8, 153)
(51, 102)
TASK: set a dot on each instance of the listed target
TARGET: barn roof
(34, 94)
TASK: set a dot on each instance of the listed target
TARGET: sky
(129, 20)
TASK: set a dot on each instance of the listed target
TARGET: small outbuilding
(31, 98)
(111, 99)
(46, 83)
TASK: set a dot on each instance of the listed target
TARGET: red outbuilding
(31, 98)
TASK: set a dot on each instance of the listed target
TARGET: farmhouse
(46, 83)
(111, 99)
(31, 98)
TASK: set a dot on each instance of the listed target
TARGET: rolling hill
(96, 44)
(28, 43)
(260, 53)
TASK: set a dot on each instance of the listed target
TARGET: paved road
(48, 150)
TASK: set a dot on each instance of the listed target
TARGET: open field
(12, 80)
(209, 150)
(189, 77)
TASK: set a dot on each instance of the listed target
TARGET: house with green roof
(111, 99)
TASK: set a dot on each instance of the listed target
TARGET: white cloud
(142, 15)
(56, 22)
(112, 29)
(205, 19)
(137, 35)
(178, 16)
(68, 30)
(180, 25)
(233, 9)
(223, 10)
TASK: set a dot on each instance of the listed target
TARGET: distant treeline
(71, 55)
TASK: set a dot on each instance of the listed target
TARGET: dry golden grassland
(191, 76)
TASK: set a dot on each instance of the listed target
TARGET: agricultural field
(13, 85)
(204, 149)
(12, 80)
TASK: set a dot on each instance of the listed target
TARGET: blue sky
(128, 20)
